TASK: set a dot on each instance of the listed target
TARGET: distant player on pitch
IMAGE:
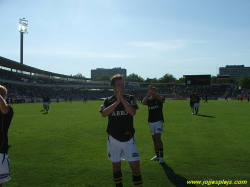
(120, 109)
(196, 102)
(191, 102)
(47, 102)
(155, 120)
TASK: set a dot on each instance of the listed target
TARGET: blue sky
(147, 37)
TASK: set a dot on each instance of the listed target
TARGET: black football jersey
(5, 120)
(192, 98)
(197, 99)
(155, 110)
(120, 122)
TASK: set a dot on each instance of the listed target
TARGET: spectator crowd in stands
(29, 88)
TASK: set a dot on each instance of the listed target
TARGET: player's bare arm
(144, 102)
(131, 110)
(158, 97)
(107, 111)
(3, 106)
(149, 94)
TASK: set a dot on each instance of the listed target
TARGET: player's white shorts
(46, 103)
(118, 151)
(155, 127)
(197, 105)
(4, 168)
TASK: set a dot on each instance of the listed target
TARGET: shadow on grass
(44, 112)
(205, 116)
(176, 179)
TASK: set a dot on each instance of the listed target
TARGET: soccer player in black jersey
(191, 102)
(47, 102)
(155, 120)
(5, 120)
(120, 109)
(196, 102)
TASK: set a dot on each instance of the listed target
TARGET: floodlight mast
(23, 29)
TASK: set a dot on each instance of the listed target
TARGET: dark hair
(115, 78)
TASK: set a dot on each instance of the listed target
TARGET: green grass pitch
(67, 147)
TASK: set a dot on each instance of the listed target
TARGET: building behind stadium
(97, 73)
(234, 71)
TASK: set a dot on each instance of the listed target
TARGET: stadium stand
(29, 84)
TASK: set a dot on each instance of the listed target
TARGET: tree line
(244, 82)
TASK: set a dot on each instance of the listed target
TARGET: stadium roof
(4, 62)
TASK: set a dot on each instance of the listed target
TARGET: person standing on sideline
(192, 97)
(141, 98)
(155, 120)
(120, 109)
(226, 99)
(205, 98)
(5, 121)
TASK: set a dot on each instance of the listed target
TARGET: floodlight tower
(23, 29)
